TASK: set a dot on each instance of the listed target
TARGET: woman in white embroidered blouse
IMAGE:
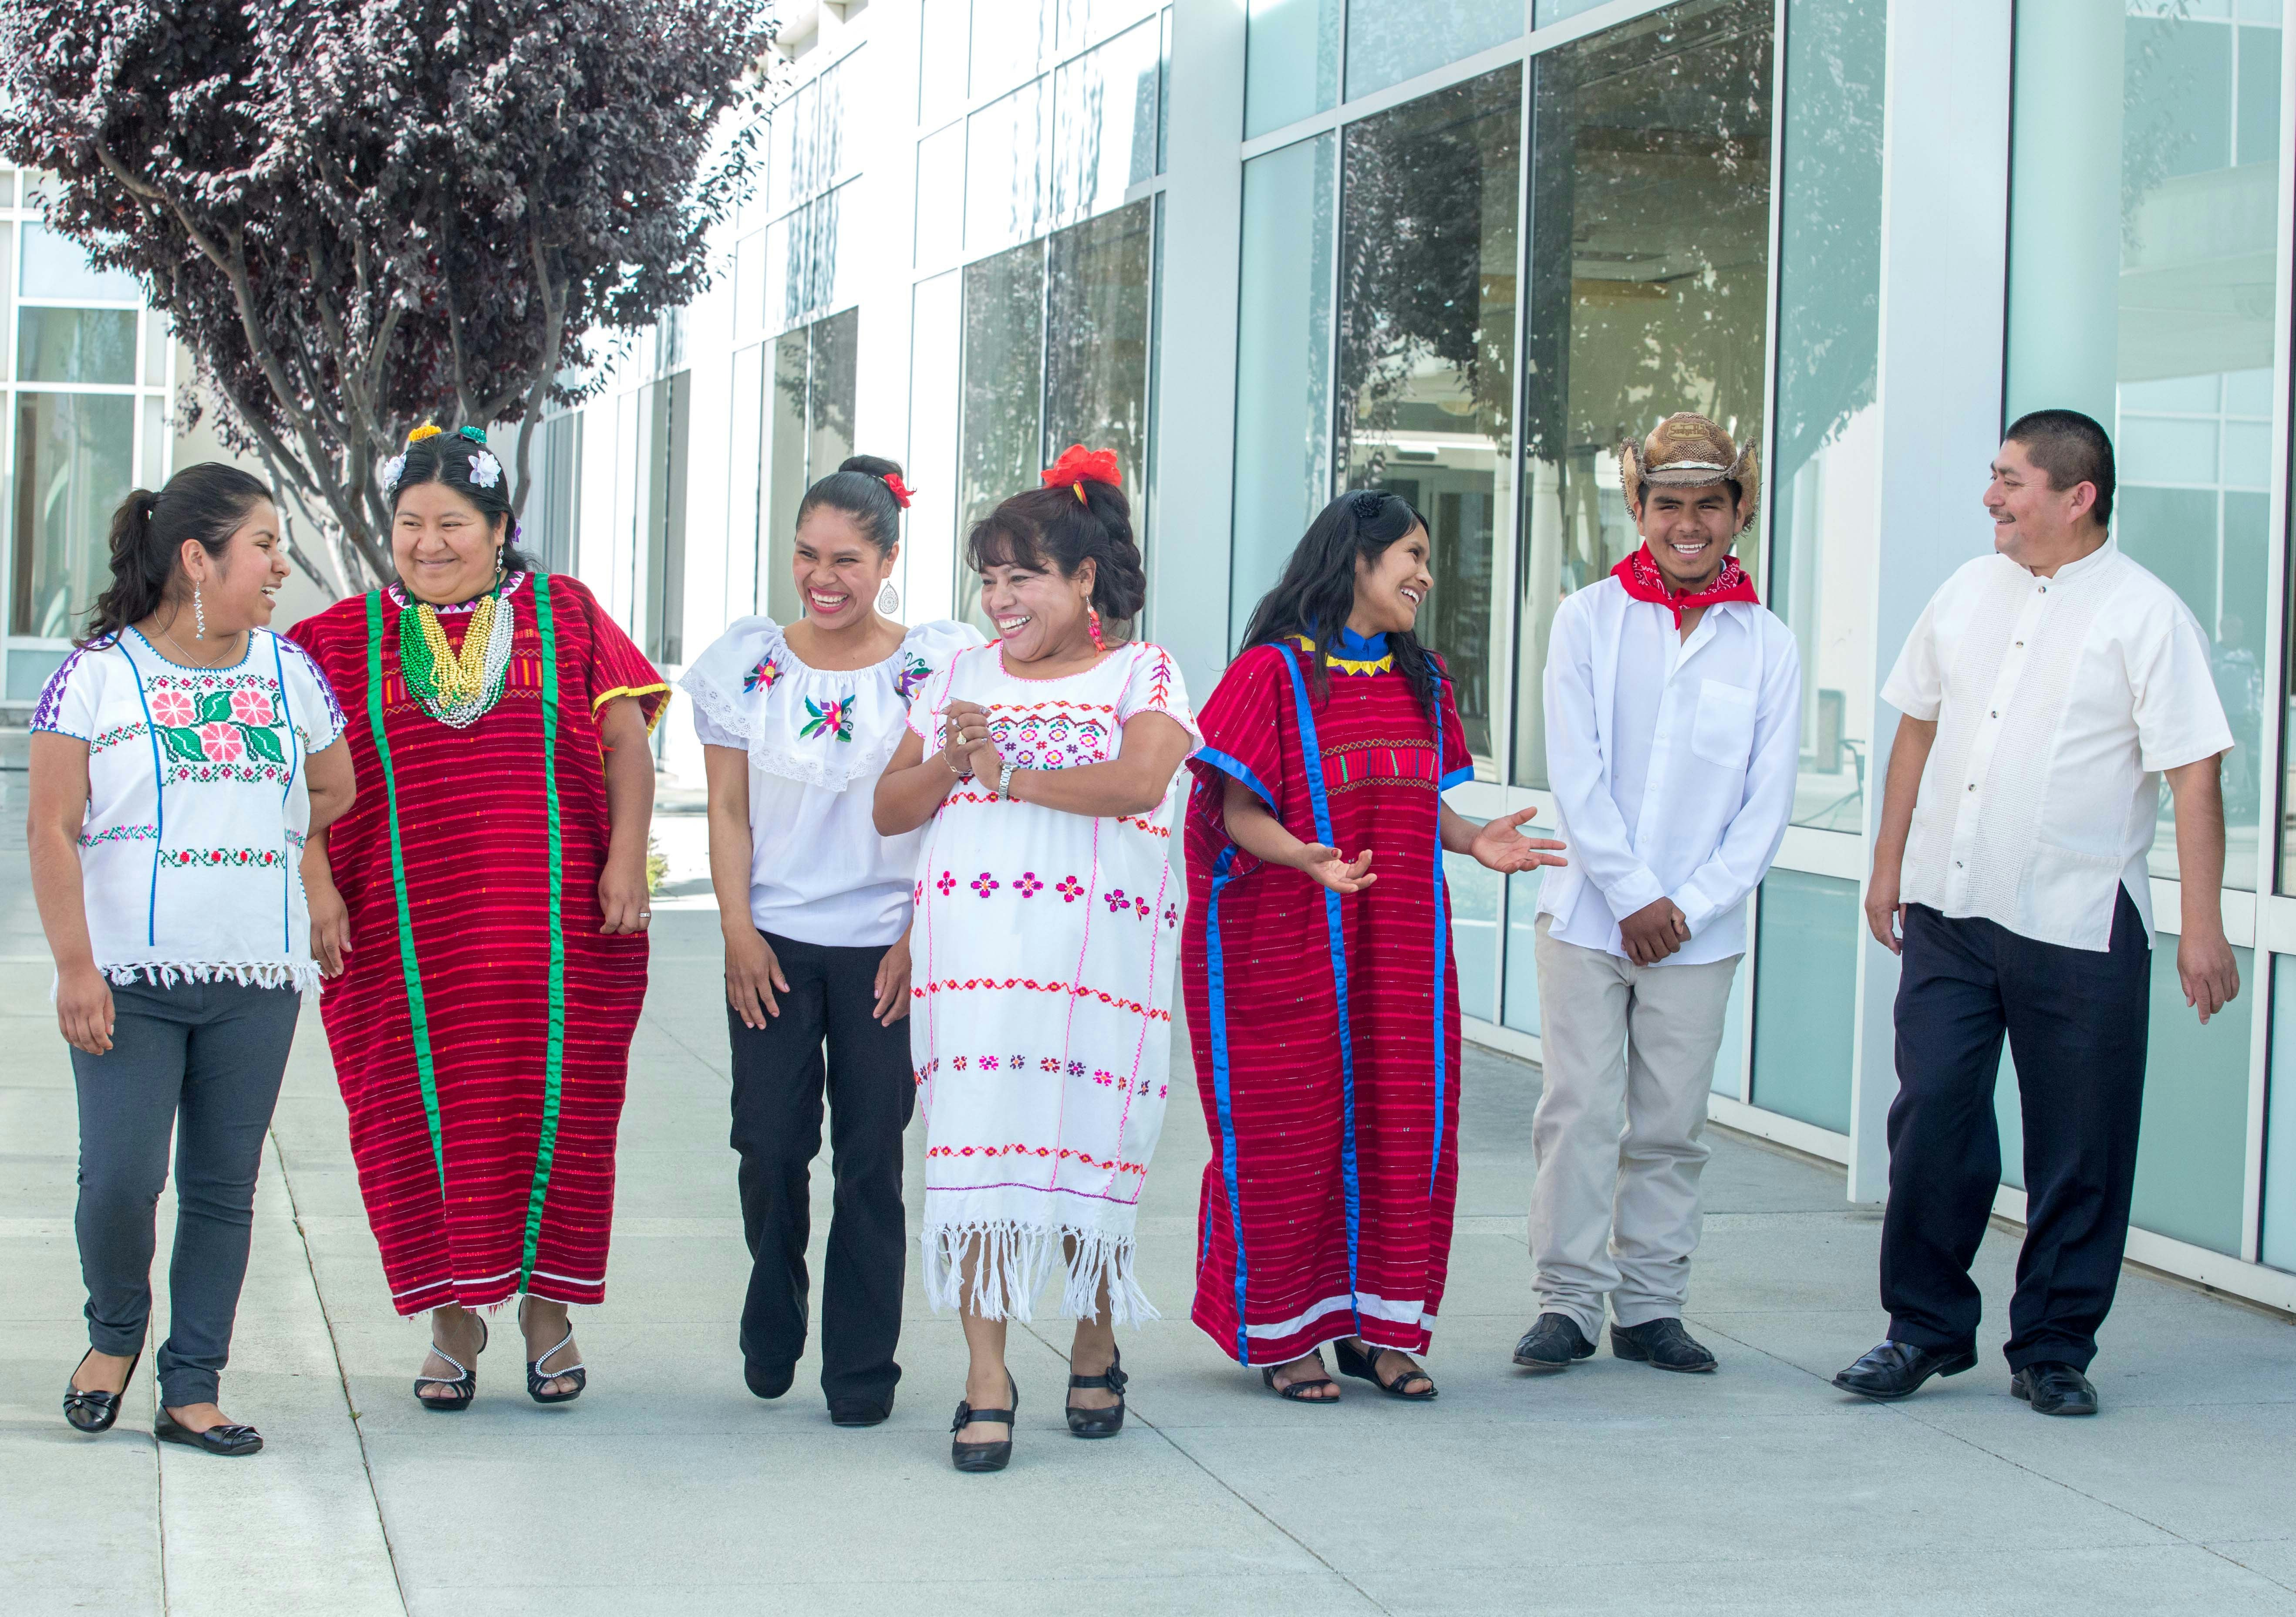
(179, 759)
(795, 725)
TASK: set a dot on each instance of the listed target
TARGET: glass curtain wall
(1649, 271)
(1000, 437)
(669, 411)
(807, 421)
(1291, 62)
(2141, 291)
(1390, 41)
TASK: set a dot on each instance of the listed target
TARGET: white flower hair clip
(393, 470)
(486, 471)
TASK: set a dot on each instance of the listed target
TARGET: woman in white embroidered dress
(1046, 943)
(179, 758)
(796, 724)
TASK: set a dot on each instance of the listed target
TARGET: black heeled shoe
(229, 1440)
(465, 1383)
(984, 1456)
(1364, 1366)
(94, 1412)
(538, 1378)
(1100, 1423)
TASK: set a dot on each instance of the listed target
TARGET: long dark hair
(1053, 524)
(207, 502)
(858, 488)
(447, 457)
(1317, 590)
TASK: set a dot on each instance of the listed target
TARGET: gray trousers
(202, 1060)
(1617, 1136)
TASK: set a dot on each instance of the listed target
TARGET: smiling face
(444, 547)
(838, 570)
(1391, 589)
(236, 585)
(1690, 532)
(2035, 524)
(1038, 611)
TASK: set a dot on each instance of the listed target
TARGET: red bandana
(1643, 580)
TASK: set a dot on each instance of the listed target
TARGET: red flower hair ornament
(1079, 465)
(902, 493)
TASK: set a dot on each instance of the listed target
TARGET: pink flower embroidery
(1171, 914)
(946, 883)
(172, 710)
(1116, 900)
(989, 1063)
(1027, 886)
(1070, 889)
(250, 706)
(221, 743)
(957, 1062)
(1142, 907)
(984, 885)
(1076, 1069)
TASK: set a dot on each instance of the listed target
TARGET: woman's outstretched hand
(1499, 846)
(1330, 868)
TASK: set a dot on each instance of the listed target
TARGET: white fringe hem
(1013, 1262)
(166, 974)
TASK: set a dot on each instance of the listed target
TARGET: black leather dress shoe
(2055, 1388)
(227, 1440)
(1896, 1369)
(1663, 1345)
(1553, 1345)
(860, 1411)
(767, 1381)
(94, 1412)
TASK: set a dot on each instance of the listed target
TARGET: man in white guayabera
(2045, 690)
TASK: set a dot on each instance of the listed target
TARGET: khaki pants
(1629, 1058)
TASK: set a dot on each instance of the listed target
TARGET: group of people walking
(961, 877)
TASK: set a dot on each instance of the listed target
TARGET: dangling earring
(198, 615)
(498, 565)
(1092, 619)
(889, 599)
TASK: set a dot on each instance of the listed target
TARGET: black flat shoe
(94, 1412)
(1364, 1366)
(228, 1440)
(1663, 1345)
(1553, 1345)
(2054, 1388)
(538, 1378)
(1100, 1423)
(464, 1385)
(1297, 1391)
(1896, 1369)
(767, 1381)
(860, 1411)
(984, 1456)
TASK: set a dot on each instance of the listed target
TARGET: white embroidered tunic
(1040, 993)
(817, 740)
(191, 850)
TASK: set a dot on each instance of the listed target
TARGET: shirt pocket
(1723, 734)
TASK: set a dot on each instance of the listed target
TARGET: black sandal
(538, 1378)
(1364, 1366)
(1100, 1423)
(1298, 1390)
(94, 1410)
(984, 1456)
(465, 1383)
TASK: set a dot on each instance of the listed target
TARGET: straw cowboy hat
(1687, 451)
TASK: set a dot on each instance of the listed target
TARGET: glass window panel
(1163, 87)
(940, 197)
(1282, 373)
(1006, 174)
(1008, 36)
(1805, 996)
(75, 462)
(1426, 366)
(1522, 1007)
(745, 458)
(1474, 934)
(782, 289)
(829, 121)
(2280, 1126)
(2140, 281)
(1825, 517)
(156, 331)
(1545, 12)
(936, 333)
(1001, 434)
(151, 451)
(786, 445)
(88, 345)
(670, 412)
(1650, 277)
(942, 47)
(1104, 113)
(1097, 285)
(831, 393)
(56, 267)
(7, 189)
(1729, 1076)
(1400, 39)
(1291, 62)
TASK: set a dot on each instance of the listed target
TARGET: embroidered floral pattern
(834, 717)
(1055, 740)
(212, 722)
(946, 883)
(121, 833)
(984, 885)
(219, 858)
(1115, 899)
(1060, 1153)
(1075, 990)
(762, 677)
(1070, 889)
(914, 673)
(117, 736)
(1027, 886)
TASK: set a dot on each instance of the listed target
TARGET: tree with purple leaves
(363, 213)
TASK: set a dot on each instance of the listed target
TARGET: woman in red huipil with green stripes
(493, 879)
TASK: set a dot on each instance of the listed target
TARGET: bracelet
(1005, 782)
(953, 770)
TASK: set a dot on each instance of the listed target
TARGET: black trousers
(2076, 1019)
(779, 1078)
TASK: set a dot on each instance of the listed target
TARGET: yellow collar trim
(1345, 665)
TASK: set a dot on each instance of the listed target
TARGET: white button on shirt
(2058, 702)
(1672, 762)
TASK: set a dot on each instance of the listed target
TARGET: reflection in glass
(1097, 286)
(75, 457)
(669, 411)
(1649, 266)
(1106, 122)
(1546, 12)
(746, 483)
(1291, 62)
(1393, 40)
(1806, 996)
(1474, 934)
(156, 334)
(1427, 293)
(1282, 369)
(2162, 325)
(1825, 514)
(1521, 1009)
(936, 356)
(86, 345)
(1006, 170)
(56, 267)
(1001, 430)
(556, 509)
(1008, 35)
(810, 421)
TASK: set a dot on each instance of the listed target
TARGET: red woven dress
(487, 1168)
(1325, 1029)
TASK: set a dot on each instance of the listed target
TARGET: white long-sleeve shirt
(1672, 762)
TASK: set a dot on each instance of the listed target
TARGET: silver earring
(198, 615)
(889, 599)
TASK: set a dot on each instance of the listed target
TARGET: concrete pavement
(669, 1489)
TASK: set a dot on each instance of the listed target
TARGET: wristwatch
(1005, 782)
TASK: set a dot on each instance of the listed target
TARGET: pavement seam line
(342, 1374)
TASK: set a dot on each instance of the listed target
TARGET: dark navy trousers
(2076, 1021)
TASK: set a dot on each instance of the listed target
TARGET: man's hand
(1885, 915)
(1653, 932)
(2211, 974)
